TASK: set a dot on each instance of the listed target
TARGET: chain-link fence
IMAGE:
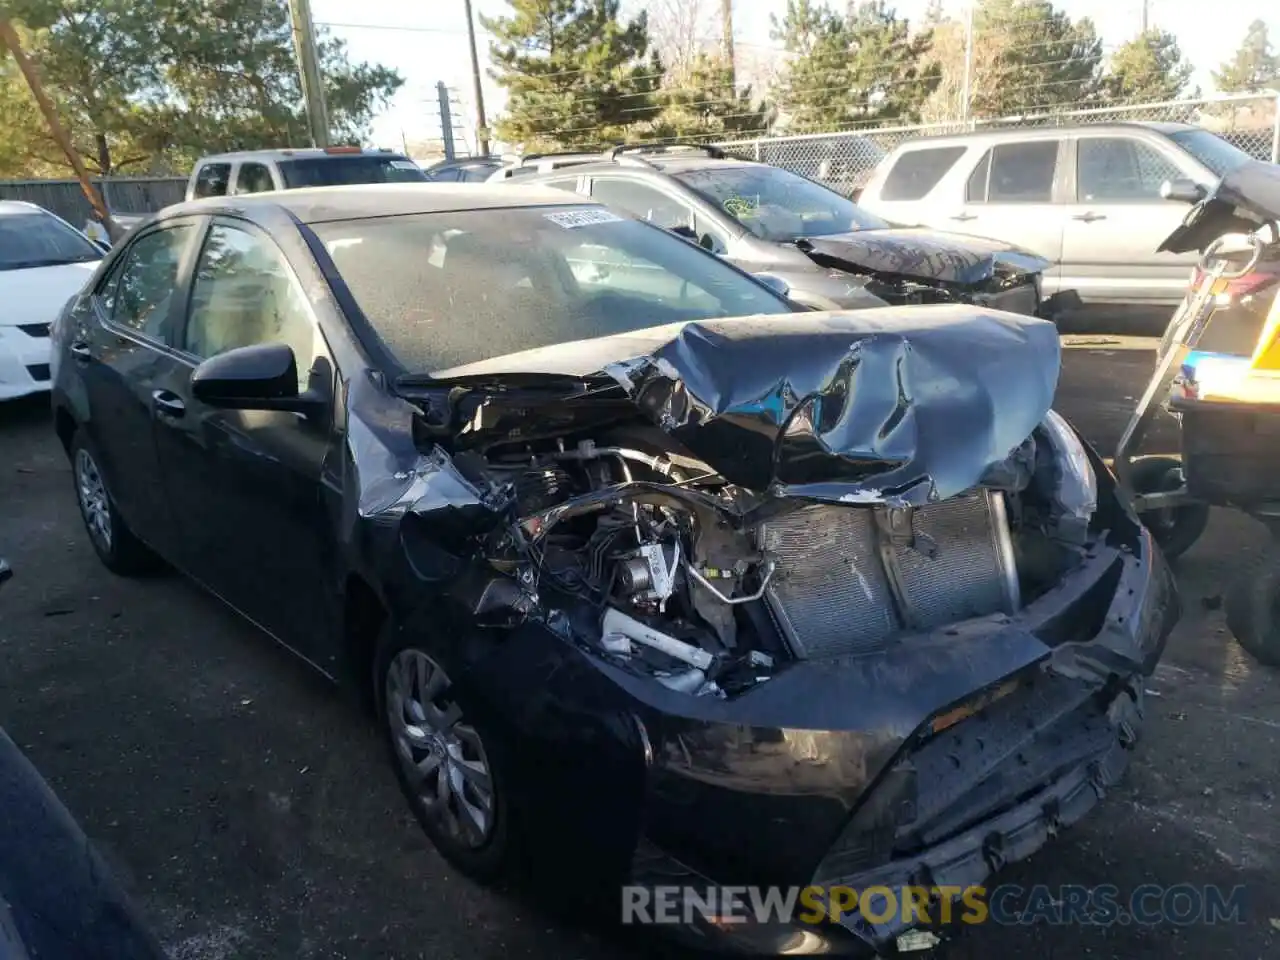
(122, 194)
(844, 160)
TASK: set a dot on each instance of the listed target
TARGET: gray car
(829, 252)
(1086, 198)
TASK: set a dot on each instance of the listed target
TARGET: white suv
(1086, 198)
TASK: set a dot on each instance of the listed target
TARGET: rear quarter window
(916, 172)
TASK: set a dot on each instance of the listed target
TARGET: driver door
(245, 486)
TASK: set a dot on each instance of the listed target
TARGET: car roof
(19, 206)
(320, 204)
(294, 153)
(1013, 132)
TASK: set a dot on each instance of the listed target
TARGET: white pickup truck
(258, 171)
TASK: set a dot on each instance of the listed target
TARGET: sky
(427, 43)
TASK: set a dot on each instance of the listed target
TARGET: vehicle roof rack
(670, 146)
(560, 158)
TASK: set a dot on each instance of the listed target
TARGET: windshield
(777, 205)
(1214, 152)
(338, 170)
(40, 240)
(447, 289)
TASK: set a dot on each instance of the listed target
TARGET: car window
(448, 175)
(1120, 169)
(775, 204)
(563, 183)
(253, 178)
(642, 201)
(211, 180)
(38, 239)
(975, 190)
(1210, 149)
(1019, 173)
(446, 289)
(148, 275)
(916, 172)
(246, 294)
(340, 169)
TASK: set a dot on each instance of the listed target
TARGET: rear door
(1016, 193)
(123, 342)
(1117, 218)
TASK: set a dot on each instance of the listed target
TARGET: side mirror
(263, 376)
(774, 283)
(1183, 190)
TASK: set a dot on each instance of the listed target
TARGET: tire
(435, 741)
(1253, 608)
(1175, 529)
(119, 550)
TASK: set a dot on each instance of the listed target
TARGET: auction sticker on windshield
(569, 219)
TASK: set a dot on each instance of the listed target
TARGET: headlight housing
(1075, 485)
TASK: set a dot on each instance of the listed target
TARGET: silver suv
(1087, 198)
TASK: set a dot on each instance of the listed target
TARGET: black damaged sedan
(650, 579)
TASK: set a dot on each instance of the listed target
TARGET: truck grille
(843, 587)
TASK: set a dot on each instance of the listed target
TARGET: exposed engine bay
(662, 566)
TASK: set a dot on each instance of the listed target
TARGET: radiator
(843, 586)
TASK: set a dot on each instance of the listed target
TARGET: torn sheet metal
(914, 254)
(904, 404)
(1243, 200)
(901, 404)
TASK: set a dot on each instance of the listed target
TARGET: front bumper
(951, 805)
(24, 360)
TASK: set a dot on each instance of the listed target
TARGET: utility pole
(968, 62)
(726, 42)
(1146, 13)
(304, 45)
(446, 121)
(482, 132)
(9, 36)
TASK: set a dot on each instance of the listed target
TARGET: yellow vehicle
(1227, 403)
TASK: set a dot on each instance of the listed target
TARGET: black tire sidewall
(117, 557)
(493, 861)
(1251, 608)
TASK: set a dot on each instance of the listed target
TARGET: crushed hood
(899, 404)
(1244, 199)
(919, 254)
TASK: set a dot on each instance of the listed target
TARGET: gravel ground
(253, 815)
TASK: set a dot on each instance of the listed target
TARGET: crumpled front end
(765, 572)
(915, 266)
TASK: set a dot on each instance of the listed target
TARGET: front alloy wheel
(443, 762)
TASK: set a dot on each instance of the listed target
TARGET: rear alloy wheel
(443, 763)
(114, 543)
(1176, 529)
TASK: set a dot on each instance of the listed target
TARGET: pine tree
(863, 66)
(575, 74)
(704, 102)
(1255, 65)
(1147, 69)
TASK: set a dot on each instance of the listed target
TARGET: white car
(44, 262)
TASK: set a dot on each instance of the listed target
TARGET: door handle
(965, 216)
(1089, 217)
(80, 350)
(168, 404)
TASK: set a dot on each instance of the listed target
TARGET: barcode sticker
(570, 219)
